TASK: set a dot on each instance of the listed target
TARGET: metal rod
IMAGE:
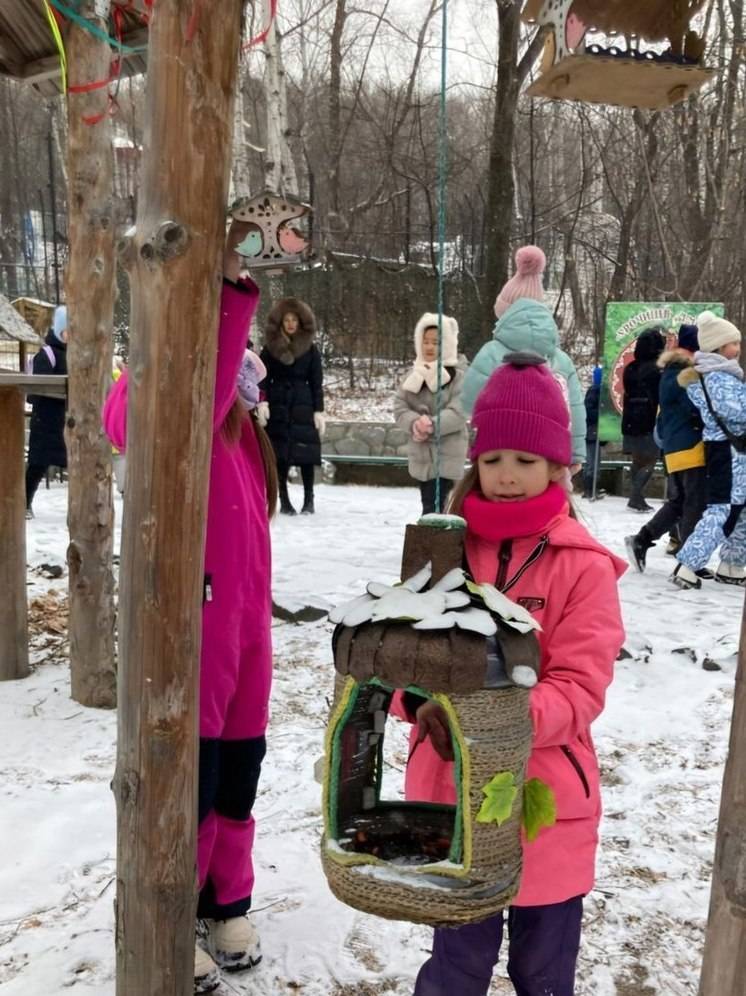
(53, 196)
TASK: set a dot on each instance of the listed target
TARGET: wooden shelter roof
(28, 51)
(13, 328)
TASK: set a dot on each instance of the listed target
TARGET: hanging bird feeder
(473, 651)
(274, 238)
(630, 77)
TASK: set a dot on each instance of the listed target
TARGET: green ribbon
(93, 29)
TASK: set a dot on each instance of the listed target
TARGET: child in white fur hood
(415, 409)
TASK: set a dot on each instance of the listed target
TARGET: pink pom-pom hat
(530, 263)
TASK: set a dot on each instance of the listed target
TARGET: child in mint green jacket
(529, 325)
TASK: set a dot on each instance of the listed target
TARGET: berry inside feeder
(435, 636)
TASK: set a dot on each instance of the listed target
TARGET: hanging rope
(442, 180)
(55, 29)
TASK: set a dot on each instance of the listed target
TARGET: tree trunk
(724, 966)
(500, 189)
(90, 299)
(279, 170)
(176, 261)
(13, 628)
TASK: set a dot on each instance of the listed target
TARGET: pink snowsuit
(236, 658)
(571, 589)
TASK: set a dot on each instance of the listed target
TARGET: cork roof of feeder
(28, 51)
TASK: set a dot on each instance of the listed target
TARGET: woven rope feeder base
(458, 870)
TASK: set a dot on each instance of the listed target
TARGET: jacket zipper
(578, 768)
(506, 552)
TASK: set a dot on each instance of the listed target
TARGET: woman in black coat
(639, 411)
(293, 396)
(46, 447)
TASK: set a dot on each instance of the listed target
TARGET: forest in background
(626, 204)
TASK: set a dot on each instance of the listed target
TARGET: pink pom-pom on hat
(530, 263)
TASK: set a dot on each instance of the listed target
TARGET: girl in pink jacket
(522, 537)
(236, 661)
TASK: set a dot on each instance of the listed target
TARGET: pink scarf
(494, 521)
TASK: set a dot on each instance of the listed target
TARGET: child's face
(430, 345)
(290, 323)
(512, 475)
(731, 350)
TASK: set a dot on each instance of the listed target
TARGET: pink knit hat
(521, 407)
(525, 282)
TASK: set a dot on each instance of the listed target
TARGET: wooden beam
(13, 626)
(48, 68)
(724, 965)
(89, 291)
(50, 385)
(176, 265)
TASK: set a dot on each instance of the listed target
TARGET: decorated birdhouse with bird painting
(433, 637)
(631, 74)
(275, 237)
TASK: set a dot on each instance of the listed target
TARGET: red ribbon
(262, 37)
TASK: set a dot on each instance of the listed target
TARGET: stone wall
(386, 439)
(365, 439)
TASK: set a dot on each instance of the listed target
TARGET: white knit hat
(715, 332)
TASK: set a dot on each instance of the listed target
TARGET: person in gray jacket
(415, 408)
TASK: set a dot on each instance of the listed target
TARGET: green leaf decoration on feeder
(539, 807)
(500, 793)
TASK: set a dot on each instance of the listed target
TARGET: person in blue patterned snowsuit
(723, 524)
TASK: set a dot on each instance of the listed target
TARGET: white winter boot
(684, 578)
(234, 943)
(206, 972)
(730, 574)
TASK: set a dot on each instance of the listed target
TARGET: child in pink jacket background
(236, 657)
(522, 538)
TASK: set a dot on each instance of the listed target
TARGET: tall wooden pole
(175, 258)
(90, 294)
(724, 965)
(13, 633)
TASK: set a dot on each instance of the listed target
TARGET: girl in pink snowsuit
(521, 538)
(236, 658)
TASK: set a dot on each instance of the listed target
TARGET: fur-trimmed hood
(688, 376)
(450, 337)
(282, 346)
(677, 357)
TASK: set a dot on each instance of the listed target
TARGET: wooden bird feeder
(22, 323)
(431, 863)
(631, 77)
(274, 239)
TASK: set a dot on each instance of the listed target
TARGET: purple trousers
(542, 952)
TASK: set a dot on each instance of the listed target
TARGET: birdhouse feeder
(634, 76)
(473, 651)
(274, 238)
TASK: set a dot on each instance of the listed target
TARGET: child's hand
(422, 428)
(432, 722)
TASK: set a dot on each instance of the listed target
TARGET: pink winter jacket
(236, 622)
(572, 591)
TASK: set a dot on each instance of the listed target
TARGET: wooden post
(176, 260)
(724, 965)
(90, 299)
(13, 631)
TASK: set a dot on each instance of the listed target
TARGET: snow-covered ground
(662, 742)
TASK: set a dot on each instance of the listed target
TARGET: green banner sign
(625, 320)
